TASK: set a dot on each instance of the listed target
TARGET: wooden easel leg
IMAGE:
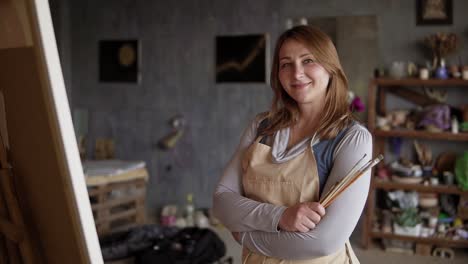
(10, 211)
(3, 247)
(3, 250)
(18, 248)
(13, 254)
(11, 198)
(8, 249)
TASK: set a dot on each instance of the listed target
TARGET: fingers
(301, 217)
(312, 216)
(317, 207)
(308, 223)
(302, 228)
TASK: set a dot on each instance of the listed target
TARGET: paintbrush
(351, 172)
(349, 179)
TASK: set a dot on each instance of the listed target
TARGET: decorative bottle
(441, 71)
(189, 211)
(455, 125)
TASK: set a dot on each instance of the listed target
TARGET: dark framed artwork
(119, 61)
(241, 59)
(434, 12)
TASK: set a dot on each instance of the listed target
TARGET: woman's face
(302, 78)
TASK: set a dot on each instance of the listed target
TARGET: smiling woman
(304, 79)
(269, 193)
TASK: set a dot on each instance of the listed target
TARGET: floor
(372, 255)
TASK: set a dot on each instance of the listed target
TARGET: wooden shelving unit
(422, 135)
(408, 89)
(449, 83)
(389, 185)
(426, 240)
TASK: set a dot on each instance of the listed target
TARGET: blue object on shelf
(441, 73)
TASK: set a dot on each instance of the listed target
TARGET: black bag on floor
(128, 243)
(189, 246)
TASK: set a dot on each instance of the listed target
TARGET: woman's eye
(307, 61)
(284, 65)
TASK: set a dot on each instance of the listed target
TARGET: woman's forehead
(293, 48)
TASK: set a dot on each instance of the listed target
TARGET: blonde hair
(284, 111)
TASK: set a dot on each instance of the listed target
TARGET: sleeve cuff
(277, 217)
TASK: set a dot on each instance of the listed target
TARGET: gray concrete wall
(177, 40)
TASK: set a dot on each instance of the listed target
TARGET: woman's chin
(302, 100)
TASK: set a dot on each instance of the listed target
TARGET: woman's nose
(298, 71)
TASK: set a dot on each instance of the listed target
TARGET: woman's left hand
(301, 217)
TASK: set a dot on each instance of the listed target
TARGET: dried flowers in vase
(441, 45)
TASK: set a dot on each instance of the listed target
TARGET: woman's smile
(300, 86)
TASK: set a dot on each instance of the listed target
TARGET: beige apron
(287, 184)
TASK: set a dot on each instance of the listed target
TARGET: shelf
(462, 136)
(419, 82)
(389, 185)
(428, 240)
(411, 90)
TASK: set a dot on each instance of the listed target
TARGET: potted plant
(407, 223)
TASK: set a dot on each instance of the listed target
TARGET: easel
(15, 244)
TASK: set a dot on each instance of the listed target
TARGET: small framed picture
(241, 59)
(119, 61)
(434, 12)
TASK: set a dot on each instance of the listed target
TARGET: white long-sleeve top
(258, 222)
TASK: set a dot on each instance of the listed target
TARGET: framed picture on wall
(119, 61)
(434, 12)
(241, 59)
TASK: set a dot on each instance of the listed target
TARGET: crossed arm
(258, 222)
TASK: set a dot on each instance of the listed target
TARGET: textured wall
(177, 39)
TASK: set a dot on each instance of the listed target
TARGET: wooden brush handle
(339, 192)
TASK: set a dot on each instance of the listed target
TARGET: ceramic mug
(424, 73)
(398, 69)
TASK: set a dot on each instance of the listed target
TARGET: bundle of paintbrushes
(349, 179)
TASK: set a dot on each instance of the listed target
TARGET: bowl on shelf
(428, 200)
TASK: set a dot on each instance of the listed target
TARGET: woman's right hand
(301, 217)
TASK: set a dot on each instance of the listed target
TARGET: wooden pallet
(119, 205)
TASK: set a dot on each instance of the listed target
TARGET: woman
(268, 194)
